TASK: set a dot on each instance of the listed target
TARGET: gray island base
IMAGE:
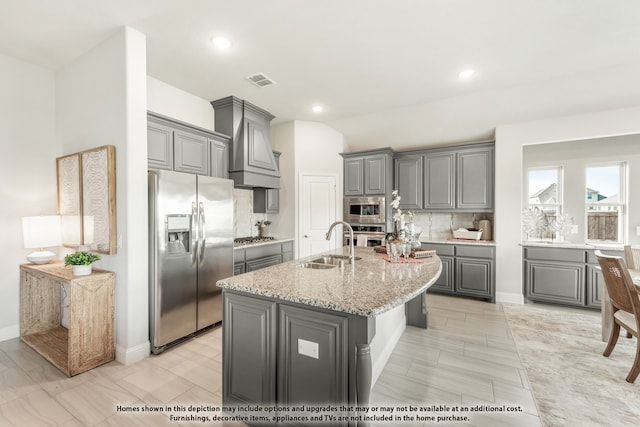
(296, 341)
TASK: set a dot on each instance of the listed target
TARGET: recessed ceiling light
(466, 74)
(317, 108)
(221, 42)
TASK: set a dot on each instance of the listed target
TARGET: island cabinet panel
(313, 357)
(249, 350)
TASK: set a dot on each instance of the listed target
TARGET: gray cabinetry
(251, 161)
(257, 257)
(191, 152)
(439, 181)
(159, 146)
(408, 180)
(459, 179)
(174, 145)
(368, 173)
(311, 348)
(267, 200)
(567, 276)
(474, 179)
(467, 270)
(219, 157)
(249, 350)
(313, 356)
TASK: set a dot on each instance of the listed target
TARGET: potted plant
(81, 262)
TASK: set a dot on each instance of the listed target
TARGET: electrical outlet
(308, 348)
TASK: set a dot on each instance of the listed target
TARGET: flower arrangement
(81, 258)
(398, 218)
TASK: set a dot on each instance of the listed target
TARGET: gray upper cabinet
(474, 179)
(191, 153)
(159, 146)
(375, 174)
(354, 177)
(267, 200)
(439, 181)
(368, 173)
(408, 181)
(219, 161)
(446, 179)
(178, 146)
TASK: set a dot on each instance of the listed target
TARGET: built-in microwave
(364, 210)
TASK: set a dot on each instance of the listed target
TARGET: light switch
(308, 348)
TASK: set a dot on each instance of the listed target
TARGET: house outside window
(605, 202)
(544, 195)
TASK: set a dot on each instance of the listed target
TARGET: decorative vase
(81, 270)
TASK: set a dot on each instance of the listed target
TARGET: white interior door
(317, 212)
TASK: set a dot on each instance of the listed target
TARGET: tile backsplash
(438, 225)
(244, 218)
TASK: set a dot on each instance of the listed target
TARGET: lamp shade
(41, 232)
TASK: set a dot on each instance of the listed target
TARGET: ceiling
(384, 70)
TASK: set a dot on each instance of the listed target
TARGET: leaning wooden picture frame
(87, 199)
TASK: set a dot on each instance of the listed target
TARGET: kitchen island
(295, 335)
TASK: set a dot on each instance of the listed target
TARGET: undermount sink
(327, 261)
(316, 266)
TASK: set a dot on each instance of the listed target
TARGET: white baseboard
(509, 297)
(9, 332)
(128, 356)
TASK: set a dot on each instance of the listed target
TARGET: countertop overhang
(372, 287)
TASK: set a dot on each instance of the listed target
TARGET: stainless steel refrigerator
(191, 247)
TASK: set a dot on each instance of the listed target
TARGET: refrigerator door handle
(194, 234)
(203, 236)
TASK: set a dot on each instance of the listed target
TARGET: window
(545, 194)
(605, 202)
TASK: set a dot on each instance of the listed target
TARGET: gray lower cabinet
(249, 351)
(567, 276)
(258, 257)
(467, 270)
(313, 362)
(311, 346)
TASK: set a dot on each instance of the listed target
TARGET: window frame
(622, 204)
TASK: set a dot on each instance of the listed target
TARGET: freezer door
(173, 256)
(215, 253)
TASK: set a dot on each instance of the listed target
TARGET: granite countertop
(269, 242)
(460, 242)
(374, 286)
(570, 245)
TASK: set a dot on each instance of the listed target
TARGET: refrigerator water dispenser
(178, 234)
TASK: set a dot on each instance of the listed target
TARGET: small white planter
(82, 270)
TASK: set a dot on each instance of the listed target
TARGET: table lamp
(41, 232)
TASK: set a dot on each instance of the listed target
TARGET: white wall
(307, 147)
(101, 99)
(574, 157)
(28, 151)
(175, 103)
(509, 179)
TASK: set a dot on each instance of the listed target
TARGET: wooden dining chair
(632, 257)
(625, 305)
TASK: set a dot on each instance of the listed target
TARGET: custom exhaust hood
(251, 160)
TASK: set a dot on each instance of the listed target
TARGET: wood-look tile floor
(466, 358)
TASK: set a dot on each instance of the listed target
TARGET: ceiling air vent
(260, 80)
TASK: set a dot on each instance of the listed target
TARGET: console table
(89, 339)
